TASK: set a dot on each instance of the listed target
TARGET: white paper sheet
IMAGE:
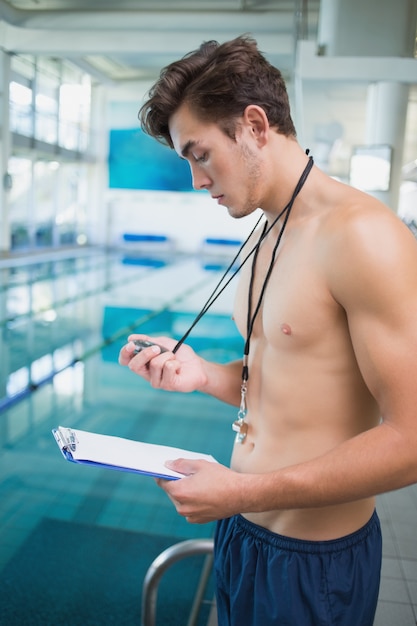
(81, 446)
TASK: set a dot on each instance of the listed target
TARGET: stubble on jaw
(251, 175)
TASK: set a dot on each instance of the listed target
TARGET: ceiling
(136, 39)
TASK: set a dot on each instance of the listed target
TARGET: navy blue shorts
(265, 579)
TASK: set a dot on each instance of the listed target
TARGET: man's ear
(256, 120)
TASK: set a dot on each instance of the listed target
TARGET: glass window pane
(46, 118)
(21, 117)
(20, 201)
(74, 115)
(45, 186)
(46, 102)
(71, 213)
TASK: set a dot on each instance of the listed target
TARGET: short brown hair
(218, 81)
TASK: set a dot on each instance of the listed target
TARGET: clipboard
(117, 453)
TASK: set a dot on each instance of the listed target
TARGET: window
(50, 121)
(21, 117)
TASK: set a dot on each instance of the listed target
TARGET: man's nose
(200, 179)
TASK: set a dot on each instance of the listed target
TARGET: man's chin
(235, 213)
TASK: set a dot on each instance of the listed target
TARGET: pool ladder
(159, 566)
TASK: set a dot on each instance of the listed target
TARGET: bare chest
(294, 306)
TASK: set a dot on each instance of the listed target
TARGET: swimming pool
(62, 325)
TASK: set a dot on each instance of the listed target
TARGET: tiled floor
(79, 312)
(398, 596)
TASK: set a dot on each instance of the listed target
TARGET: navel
(286, 329)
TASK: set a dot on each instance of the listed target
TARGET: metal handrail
(159, 566)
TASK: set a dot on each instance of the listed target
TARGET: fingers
(127, 353)
(166, 343)
(182, 371)
(142, 362)
(183, 466)
(182, 507)
(130, 350)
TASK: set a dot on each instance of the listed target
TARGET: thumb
(182, 466)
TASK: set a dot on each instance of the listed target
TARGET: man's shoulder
(364, 240)
(357, 215)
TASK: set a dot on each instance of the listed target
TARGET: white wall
(187, 218)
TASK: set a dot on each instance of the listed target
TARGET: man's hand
(209, 491)
(182, 371)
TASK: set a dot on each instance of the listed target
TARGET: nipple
(286, 329)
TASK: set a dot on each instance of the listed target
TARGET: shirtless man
(331, 339)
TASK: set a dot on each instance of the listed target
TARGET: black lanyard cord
(218, 290)
(251, 317)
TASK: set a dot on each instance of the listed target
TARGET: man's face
(228, 169)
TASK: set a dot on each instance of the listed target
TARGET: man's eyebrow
(187, 147)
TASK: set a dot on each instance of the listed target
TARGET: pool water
(62, 325)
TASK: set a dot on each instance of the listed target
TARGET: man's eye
(202, 158)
